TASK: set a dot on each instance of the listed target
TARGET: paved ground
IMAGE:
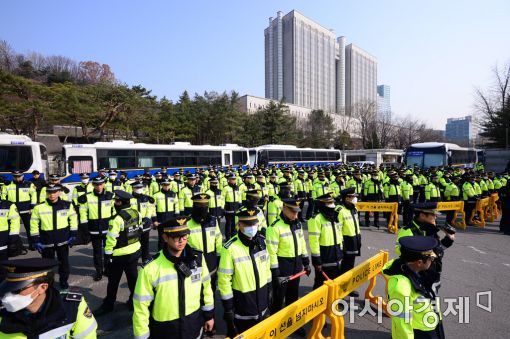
(479, 261)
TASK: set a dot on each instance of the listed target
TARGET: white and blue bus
(134, 158)
(19, 152)
(428, 154)
(288, 154)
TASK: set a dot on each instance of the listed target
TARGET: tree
(91, 72)
(366, 112)
(319, 130)
(494, 106)
(7, 57)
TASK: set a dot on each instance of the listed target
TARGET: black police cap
(17, 173)
(292, 204)
(19, 273)
(248, 216)
(418, 244)
(122, 195)
(426, 207)
(175, 226)
(201, 199)
(97, 180)
(52, 188)
(348, 191)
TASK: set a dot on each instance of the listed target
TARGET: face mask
(16, 302)
(250, 231)
(375, 178)
(355, 200)
(138, 190)
(85, 181)
(113, 177)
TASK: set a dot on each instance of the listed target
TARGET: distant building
(383, 101)
(360, 78)
(307, 65)
(461, 131)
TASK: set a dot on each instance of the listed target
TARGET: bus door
(227, 158)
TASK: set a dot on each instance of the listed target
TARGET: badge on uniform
(196, 275)
(87, 313)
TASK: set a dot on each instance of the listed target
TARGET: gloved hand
(308, 270)
(228, 316)
(71, 241)
(38, 246)
(107, 262)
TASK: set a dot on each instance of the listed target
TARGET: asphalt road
(479, 261)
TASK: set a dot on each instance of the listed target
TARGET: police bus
(428, 154)
(288, 154)
(19, 152)
(133, 158)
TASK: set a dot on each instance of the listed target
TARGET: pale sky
(432, 53)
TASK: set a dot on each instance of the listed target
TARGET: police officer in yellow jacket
(348, 217)
(244, 276)
(83, 188)
(173, 296)
(326, 240)
(144, 204)
(191, 188)
(122, 249)
(232, 197)
(24, 195)
(288, 254)
(53, 228)
(167, 206)
(414, 307)
(96, 209)
(9, 228)
(33, 308)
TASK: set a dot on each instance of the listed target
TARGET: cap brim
(292, 208)
(9, 286)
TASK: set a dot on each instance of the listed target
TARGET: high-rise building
(306, 65)
(461, 130)
(360, 78)
(383, 101)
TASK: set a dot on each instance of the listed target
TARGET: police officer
(145, 205)
(407, 189)
(348, 218)
(9, 228)
(424, 224)
(392, 192)
(53, 179)
(33, 308)
(469, 195)
(24, 195)
(232, 197)
(217, 202)
(253, 196)
(96, 209)
(432, 190)
(326, 240)
(83, 188)
(301, 189)
(275, 203)
(244, 276)
(112, 183)
(167, 206)
(288, 255)
(372, 191)
(415, 311)
(53, 228)
(122, 249)
(37, 181)
(177, 184)
(185, 195)
(173, 296)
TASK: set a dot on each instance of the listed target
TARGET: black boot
(98, 275)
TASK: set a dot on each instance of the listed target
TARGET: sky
(432, 53)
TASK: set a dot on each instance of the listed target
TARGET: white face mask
(330, 205)
(16, 302)
(113, 177)
(355, 200)
(139, 191)
(85, 181)
(250, 231)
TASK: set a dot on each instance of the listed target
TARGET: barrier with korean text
(458, 208)
(391, 207)
(321, 303)
(477, 216)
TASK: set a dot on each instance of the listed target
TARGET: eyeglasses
(22, 289)
(180, 238)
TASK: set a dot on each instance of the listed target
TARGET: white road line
(474, 262)
(507, 265)
(477, 250)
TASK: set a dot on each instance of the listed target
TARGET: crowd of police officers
(255, 263)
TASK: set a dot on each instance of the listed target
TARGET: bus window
(262, 158)
(44, 154)
(308, 155)
(276, 156)
(239, 157)
(15, 158)
(433, 160)
(79, 165)
(227, 159)
(253, 157)
(292, 155)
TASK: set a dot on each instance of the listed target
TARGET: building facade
(383, 101)
(306, 65)
(461, 131)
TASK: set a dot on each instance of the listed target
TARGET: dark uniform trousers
(331, 272)
(98, 242)
(347, 263)
(62, 253)
(25, 217)
(243, 325)
(285, 295)
(121, 264)
(144, 241)
(229, 225)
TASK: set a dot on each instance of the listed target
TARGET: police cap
(20, 273)
(248, 216)
(17, 173)
(137, 184)
(52, 188)
(84, 176)
(426, 207)
(192, 176)
(201, 199)
(53, 177)
(292, 204)
(122, 195)
(348, 191)
(175, 226)
(35, 172)
(418, 245)
(97, 181)
(165, 181)
(253, 193)
(325, 198)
